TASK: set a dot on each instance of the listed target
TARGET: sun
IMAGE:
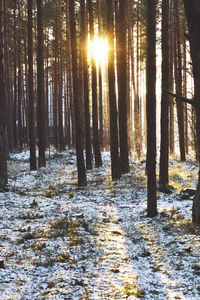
(98, 49)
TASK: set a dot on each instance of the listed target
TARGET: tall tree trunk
(60, 98)
(164, 146)
(3, 150)
(55, 85)
(84, 34)
(96, 144)
(20, 80)
(8, 81)
(100, 82)
(137, 104)
(178, 80)
(114, 140)
(82, 180)
(41, 115)
(15, 79)
(192, 10)
(151, 108)
(171, 81)
(185, 94)
(122, 85)
(32, 138)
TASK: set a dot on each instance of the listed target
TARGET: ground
(59, 241)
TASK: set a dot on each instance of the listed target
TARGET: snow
(60, 241)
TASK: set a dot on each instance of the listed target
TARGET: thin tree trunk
(3, 150)
(84, 34)
(15, 79)
(171, 79)
(8, 82)
(41, 116)
(96, 144)
(20, 82)
(185, 95)
(60, 93)
(82, 180)
(178, 81)
(164, 146)
(151, 108)
(114, 139)
(32, 136)
(122, 86)
(137, 105)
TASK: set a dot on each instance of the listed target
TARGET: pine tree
(96, 142)
(114, 139)
(41, 115)
(122, 85)
(82, 181)
(192, 10)
(32, 138)
(84, 34)
(164, 146)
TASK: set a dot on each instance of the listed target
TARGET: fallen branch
(184, 99)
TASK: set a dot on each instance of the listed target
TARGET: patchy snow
(59, 241)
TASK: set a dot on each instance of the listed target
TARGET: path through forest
(59, 241)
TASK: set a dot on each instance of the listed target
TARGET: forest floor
(60, 241)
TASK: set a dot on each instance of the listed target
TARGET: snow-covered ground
(59, 241)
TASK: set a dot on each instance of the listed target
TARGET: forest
(99, 149)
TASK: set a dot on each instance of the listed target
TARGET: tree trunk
(41, 117)
(137, 104)
(114, 144)
(100, 83)
(171, 81)
(20, 81)
(164, 146)
(122, 85)
(96, 144)
(32, 138)
(82, 181)
(8, 81)
(192, 10)
(3, 150)
(84, 34)
(151, 108)
(60, 76)
(15, 79)
(178, 80)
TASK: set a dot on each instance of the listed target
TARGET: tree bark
(122, 85)
(114, 139)
(41, 115)
(3, 150)
(82, 181)
(151, 108)
(192, 10)
(178, 80)
(164, 146)
(32, 137)
(84, 34)
(96, 144)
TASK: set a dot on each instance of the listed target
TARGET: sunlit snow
(59, 241)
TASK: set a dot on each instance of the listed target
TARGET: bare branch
(181, 98)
